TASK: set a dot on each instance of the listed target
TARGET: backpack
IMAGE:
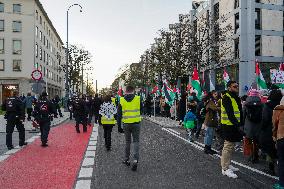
(254, 113)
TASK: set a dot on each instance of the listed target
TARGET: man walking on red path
(15, 115)
(129, 112)
(43, 115)
(80, 113)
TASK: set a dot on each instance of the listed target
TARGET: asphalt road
(166, 161)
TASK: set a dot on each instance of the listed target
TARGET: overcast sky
(116, 32)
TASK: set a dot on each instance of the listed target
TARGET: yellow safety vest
(224, 116)
(131, 110)
(106, 121)
(113, 100)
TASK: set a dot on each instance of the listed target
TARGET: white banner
(277, 76)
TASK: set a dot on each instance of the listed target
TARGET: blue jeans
(208, 139)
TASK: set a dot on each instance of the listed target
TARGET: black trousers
(11, 123)
(81, 120)
(96, 117)
(29, 112)
(44, 130)
(59, 111)
(107, 135)
(280, 151)
(90, 117)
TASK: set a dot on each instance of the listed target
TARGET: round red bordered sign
(36, 75)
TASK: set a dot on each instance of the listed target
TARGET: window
(36, 14)
(44, 71)
(40, 53)
(257, 1)
(36, 50)
(47, 58)
(40, 20)
(1, 25)
(257, 19)
(258, 45)
(36, 66)
(1, 7)
(47, 73)
(43, 40)
(17, 47)
(17, 65)
(36, 31)
(40, 35)
(237, 43)
(17, 8)
(237, 3)
(2, 46)
(237, 22)
(2, 65)
(43, 56)
(17, 26)
(40, 68)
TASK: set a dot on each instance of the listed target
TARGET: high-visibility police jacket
(131, 110)
(224, 116)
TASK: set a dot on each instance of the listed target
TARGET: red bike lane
(55, 166)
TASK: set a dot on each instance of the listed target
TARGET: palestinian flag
(168, 93)
(281, 67)
(120, 92)
(155, 90)
(196, 84)
(261, 84)
(226, 78)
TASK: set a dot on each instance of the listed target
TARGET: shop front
(8, 89)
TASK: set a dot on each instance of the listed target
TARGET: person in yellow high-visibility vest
(107, 112)
(231, 120)
(129, 113)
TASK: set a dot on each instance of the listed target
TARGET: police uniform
(90, 103)
(80, 113)
(15, 115)
(70, 107)
(43, 111)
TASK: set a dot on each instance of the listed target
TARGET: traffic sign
(37, 88)
(36, 75)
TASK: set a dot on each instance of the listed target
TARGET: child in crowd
(189, 123)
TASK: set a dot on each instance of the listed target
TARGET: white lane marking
(91, 148)
(88, 162)
(92, 143)
(174, 131)
(83, 184)
(86, 172)
(90, 154)
(2, 158)
(217, 155)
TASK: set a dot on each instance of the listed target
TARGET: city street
(167, 160)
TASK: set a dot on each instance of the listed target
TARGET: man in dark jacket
(56, 101)
(231, 120)
(43, 112)
(80, 113)
(96, 105)
(15, 115)
(129, 112)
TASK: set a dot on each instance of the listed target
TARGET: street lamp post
(67, 53)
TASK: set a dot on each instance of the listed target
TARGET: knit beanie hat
(253, 92)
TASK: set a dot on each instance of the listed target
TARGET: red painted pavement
(53, 167)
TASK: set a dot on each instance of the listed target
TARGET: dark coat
(211, 117)
(182, 108)
(96, 105)
(251, 129)
(233, 132)
(266, 142)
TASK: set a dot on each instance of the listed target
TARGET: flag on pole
(261, 84)
(196, 84)
(120, 92)
(226, 78)
(155, 89)
(168, 93)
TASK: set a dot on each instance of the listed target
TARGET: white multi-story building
(28, 41)
(256, 34)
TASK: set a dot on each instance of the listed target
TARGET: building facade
(255, 33)
(28, 41)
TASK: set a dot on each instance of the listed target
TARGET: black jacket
(233, 132)
(51, 110)
(97, 102)
(128, 98)
(18, 106)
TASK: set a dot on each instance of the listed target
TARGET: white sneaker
(233, 168)
(229, 173)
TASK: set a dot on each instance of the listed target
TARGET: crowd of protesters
(255, 120)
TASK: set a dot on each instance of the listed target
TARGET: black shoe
(23, 144)
(126, 162)
(77, 130)
(108, 148)
(44, 144)
(61, 115)
(84, 131)
(134, 165)
(10, 147)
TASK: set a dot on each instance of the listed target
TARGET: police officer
(43, 111)
(129, 112)
(15, 115)
(56, 101)
(70, 106)
(90, 106)
(80, 113)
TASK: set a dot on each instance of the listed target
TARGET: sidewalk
(28, 124)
